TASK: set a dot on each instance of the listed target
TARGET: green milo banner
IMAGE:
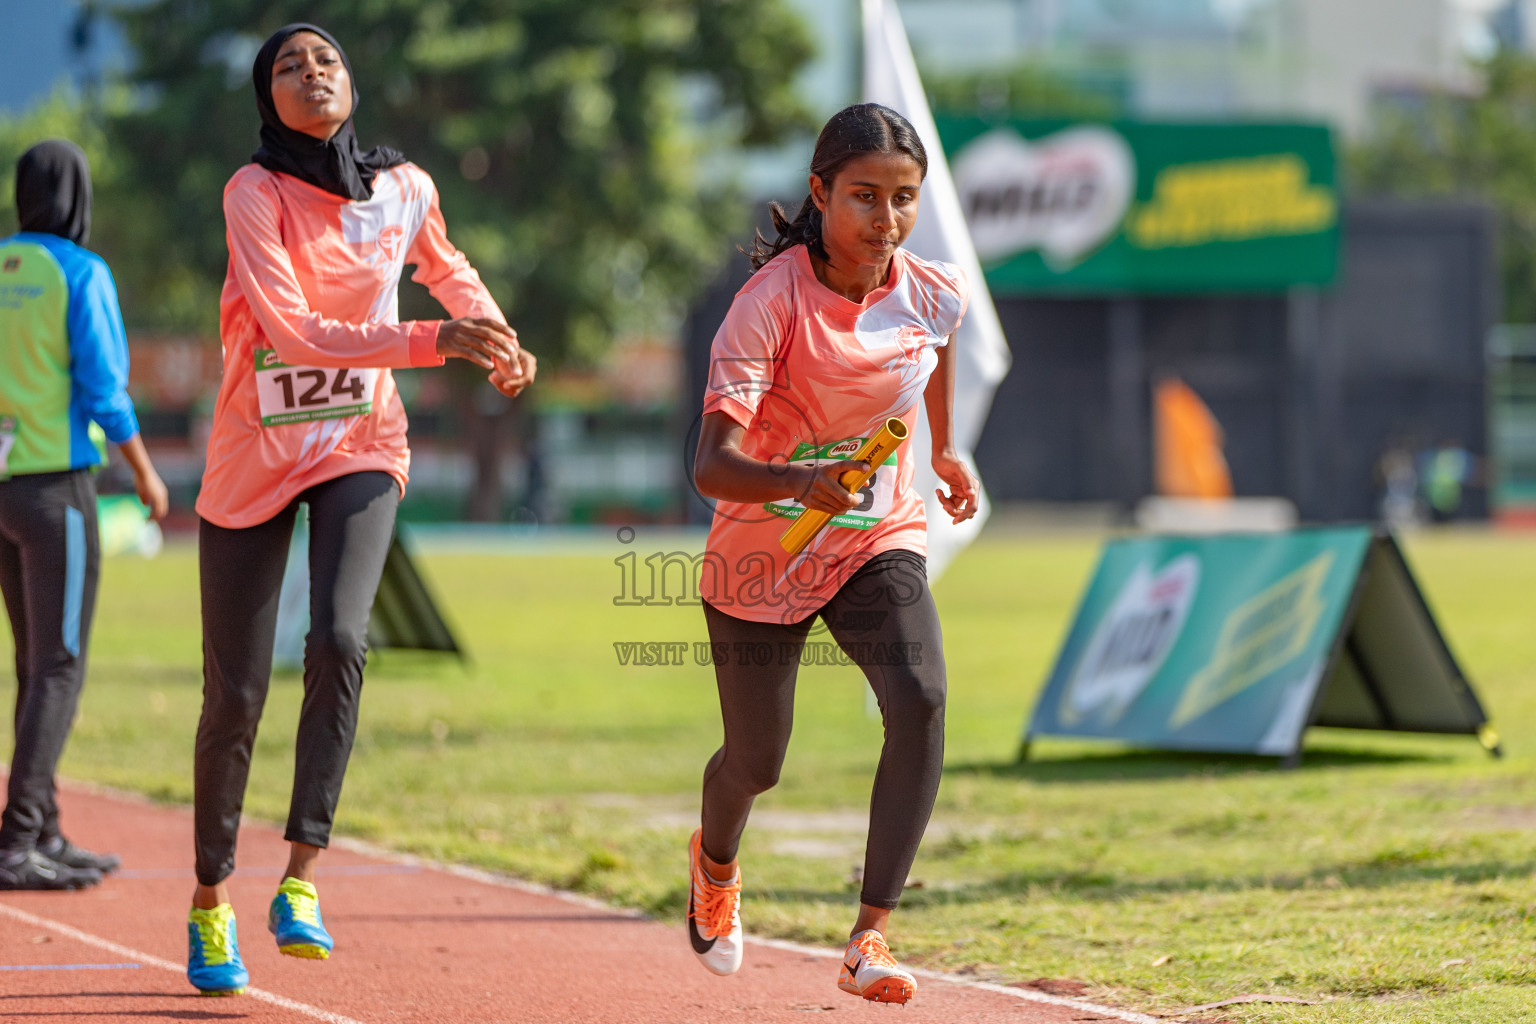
(1240, 643)
(1058, 206)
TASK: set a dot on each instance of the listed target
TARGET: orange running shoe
(714, 915)
(870, 971)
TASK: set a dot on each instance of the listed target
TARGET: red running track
(414, 943)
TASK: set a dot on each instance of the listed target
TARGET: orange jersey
(311, 329)
(810, 374)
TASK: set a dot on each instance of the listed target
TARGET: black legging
(351, 522)
(49, 561)
(884, 620)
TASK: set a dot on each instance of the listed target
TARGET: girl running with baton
(839, 330)
(318, 232)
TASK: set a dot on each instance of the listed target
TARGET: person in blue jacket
(63, 379)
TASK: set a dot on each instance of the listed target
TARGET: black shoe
(62, 851)
(34, 871)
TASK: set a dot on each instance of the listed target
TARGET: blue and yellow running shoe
(213, 953)
(295, 920)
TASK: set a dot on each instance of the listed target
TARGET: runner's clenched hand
(824, 492)
(511, 376)
(479, 339)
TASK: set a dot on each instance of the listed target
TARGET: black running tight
(884, 620)
(351, 523)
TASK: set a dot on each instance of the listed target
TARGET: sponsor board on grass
(1059, 206)
(404, 615)
(1240, 643)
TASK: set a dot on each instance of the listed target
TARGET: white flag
(981, 352)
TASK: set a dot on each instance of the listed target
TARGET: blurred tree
(60, 116)
(65, 114)
(1481, 148)
(564, 139)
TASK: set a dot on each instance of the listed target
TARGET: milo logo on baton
(876, 488)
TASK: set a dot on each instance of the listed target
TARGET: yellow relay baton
(875, 451)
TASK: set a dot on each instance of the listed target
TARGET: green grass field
(1389, 878)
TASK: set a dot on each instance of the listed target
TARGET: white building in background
(1317, 60)
(1335, 60)
(1329, 60)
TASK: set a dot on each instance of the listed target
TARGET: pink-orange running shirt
(311, 329)
(810, 374)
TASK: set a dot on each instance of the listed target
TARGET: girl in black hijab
(319, 232)
(53, 190)
(336, 164)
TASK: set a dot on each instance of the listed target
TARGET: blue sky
(35, 50)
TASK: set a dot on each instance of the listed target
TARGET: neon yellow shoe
(294, 918)
(214, 966)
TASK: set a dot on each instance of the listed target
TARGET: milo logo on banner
(1065, 194)
(1318, 626)
(1132, 641)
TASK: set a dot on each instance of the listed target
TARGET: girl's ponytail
(804, 230)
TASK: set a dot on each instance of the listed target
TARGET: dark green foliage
(1479, 148)
(563, 138)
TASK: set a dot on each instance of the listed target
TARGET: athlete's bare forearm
(939, 400)
(721, 470)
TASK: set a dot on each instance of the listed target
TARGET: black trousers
(351, 522)
(883, 620)
(50, 557)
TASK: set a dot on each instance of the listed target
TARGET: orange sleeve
(262, 266)
(445, 271)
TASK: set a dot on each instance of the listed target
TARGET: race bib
(293, 394)
(875, 497)
(7, 442)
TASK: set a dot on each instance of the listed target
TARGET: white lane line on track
(70, 967)
(1027, 994)
(180, 969)
(368, 849)
(534, 888)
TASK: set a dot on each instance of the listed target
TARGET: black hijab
(336, 165)
(53, 190)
